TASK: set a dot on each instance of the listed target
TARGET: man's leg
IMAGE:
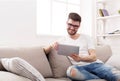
(105, 72)
(79, 73)
(116, 72)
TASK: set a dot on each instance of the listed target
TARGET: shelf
(102, 23)
(108, 17)
(103, 1)
(108, 35)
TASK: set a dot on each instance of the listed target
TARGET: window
(52, 15)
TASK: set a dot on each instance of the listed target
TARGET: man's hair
(74, 16)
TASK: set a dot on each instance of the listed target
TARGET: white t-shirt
(84, 42)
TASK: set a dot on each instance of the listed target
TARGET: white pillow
(22, 68)
(8, 76)
(114, 61)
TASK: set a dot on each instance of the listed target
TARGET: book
(101, 13)
(105, 12)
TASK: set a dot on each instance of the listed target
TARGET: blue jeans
(93, 71)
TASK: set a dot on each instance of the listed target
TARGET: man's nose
(71, 27)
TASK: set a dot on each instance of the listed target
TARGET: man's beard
(72, 33)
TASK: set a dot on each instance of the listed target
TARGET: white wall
(18, 23)
(17, 20)
(87, 19)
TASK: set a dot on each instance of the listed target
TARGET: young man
(85, 64)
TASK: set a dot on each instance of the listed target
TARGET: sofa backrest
(103, 52)
(33, 55)
(55, 65)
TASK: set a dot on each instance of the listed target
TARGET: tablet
(67, 49)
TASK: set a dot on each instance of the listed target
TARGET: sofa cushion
(58, 79)
(114, 61)
(59, 63)
(66, 79)
(97, 80)
(1, 67)
(33, 55)
(103, 52)
(21, 67)
(7, 76)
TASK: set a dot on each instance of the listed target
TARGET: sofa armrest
(103, 52)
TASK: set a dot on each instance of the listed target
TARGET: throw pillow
(59, 64)
(8, 76)
(114, 61)
(22, 68)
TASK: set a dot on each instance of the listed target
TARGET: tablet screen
(67, 49)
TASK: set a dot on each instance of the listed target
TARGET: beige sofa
(52, 66)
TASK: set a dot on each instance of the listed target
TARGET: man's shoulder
(85, 36)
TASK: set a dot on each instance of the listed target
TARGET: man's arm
(47, 49)
(90, 58)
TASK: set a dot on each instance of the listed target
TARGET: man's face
(72, 26)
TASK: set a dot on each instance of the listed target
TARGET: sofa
(52, 66)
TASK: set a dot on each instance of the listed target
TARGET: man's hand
(48, 48)
(55, 45)
(75, 57)
(89, 58)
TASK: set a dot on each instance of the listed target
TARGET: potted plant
(119, 11)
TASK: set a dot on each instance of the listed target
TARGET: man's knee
(74, 73)
(71, 71)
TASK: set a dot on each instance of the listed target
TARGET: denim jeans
(93, 71)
